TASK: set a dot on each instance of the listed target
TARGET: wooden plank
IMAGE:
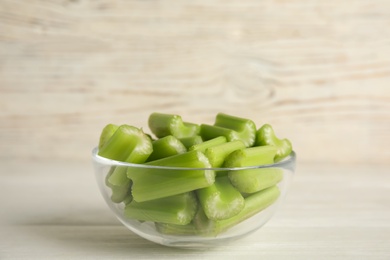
(319, 72)
(331, 212)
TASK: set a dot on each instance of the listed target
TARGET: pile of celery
(194, 198)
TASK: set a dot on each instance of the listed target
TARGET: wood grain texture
(319, 71)
(331, 212)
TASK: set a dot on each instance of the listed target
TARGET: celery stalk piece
(119, 176)
(106, 134)
(174, 229)
(211, 131)
(209, 143)
(254, 180)
(218, 153)
(252, 156)
(242, 129)
(167, 124)
(190, 141)
(119, 193)
(203, 224)
(266, 136)
(254, 204)
(178, 209)
(128, 198)
(152, 182)
(128, 144)
(165, 147)
(220, 200)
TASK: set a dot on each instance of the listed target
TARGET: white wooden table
(54, 211)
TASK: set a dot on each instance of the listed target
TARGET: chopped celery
(211, 131)
(220, 200)
(175, 184)
(209, 143)
(253, 156)
(266, 136)
(106, 134)
(232, 127)
(254, 203)
(245, 127)
(119, 176)
(165, 147)
(167, 124)
(178, 209)
(153, 183)
(128, 144)
(218, 153)
(254, 180)
(190, 141)
(174, 229)
(128, 198)
(120, 192)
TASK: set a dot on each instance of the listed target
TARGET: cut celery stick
(220, 200)
(254, 204)
(165, 147)
(128, 144)
(245, 127)
(211, 131)
(153, 183)
(119, 193)
(128, 198)
(167, 124)
(106, 134)
(190, 141)
(254, 180)
(178, 209)
(266, 136)
(253, 156)
(218, 153)
(174, 229)
(119, 176)
(209, 143)
(202, 224)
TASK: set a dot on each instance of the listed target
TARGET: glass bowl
(204, 233)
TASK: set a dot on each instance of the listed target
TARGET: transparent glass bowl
(149, 230)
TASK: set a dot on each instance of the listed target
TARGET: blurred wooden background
(318, 71)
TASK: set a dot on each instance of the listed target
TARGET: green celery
(220, 200)
(153, 183)
(120, 192)
(174, 229)
(165, 147)
(209, 143)
(266, 136)
(190, 141)
(106, 134)
(253, 156)
(167, 124)
(218, 153)
(254, 204)
(127, 144)
(240, 129)
(119, 176)
(254, 180)
(178, 209)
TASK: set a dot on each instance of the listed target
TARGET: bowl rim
(102, 160)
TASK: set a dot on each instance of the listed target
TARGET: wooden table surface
(318, 71)
(55, 211)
